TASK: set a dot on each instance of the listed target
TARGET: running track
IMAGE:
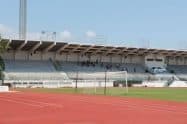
(35, 108)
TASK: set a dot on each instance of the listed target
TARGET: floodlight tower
(23, 19)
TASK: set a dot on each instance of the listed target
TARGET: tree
(3, 47)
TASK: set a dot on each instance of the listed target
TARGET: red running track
(35, 108)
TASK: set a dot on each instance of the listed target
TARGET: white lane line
(44, 104)
(127, 103)
(125, 100)
(146, 104)
(123, 103)
(19, 102)
(133, 106)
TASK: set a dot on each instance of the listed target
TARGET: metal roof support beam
(121, 51)
(98, 50)
(35, 47)
(86, 50)
(8, 42)
(22, 45)
(109, 51)
(49, 47)
(62, 48)
(74, 49)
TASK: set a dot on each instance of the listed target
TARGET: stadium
(56, 64)
(49, 81)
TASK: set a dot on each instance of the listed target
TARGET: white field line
(44, 104)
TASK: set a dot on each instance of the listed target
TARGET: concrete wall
(8, 55)
(21, 55)
(177, 61)
(83, 58)
(4, 89)
(106, 59)
(137, 59)
(180, 60)
(95, 57)
(25, 55)
(126, 59)
(72, 58)
(116, 59)
(171, 61)
(34, 56)
(61, 57)
(155, 63)
(48, 55)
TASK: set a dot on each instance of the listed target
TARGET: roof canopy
(63, 47)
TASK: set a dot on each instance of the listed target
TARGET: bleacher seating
(130, 68)
(44, 70)
(178, 69)
(97, 70)
(134, 68)
(32, 70)
(28, 66)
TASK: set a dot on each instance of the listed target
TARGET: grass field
(169, 94)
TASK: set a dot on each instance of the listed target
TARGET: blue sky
(160, 23)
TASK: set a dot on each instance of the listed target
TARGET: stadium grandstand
(45, 63)
(66, 68)
(59, 64)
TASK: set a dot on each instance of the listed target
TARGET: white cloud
(90, 34)
(66, 34)
(5, 29)
(34, 36)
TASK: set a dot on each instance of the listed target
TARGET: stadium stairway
(56, 64)
(179, 71)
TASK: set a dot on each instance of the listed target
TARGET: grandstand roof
(63, 47)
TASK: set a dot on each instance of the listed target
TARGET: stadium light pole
(23, 19)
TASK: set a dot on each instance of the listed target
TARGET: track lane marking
(44, 104)
(148, 107)
(156, 107)
(18, 102)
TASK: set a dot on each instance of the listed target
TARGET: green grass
(169, 94)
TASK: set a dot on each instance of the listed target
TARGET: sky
(132, 23)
